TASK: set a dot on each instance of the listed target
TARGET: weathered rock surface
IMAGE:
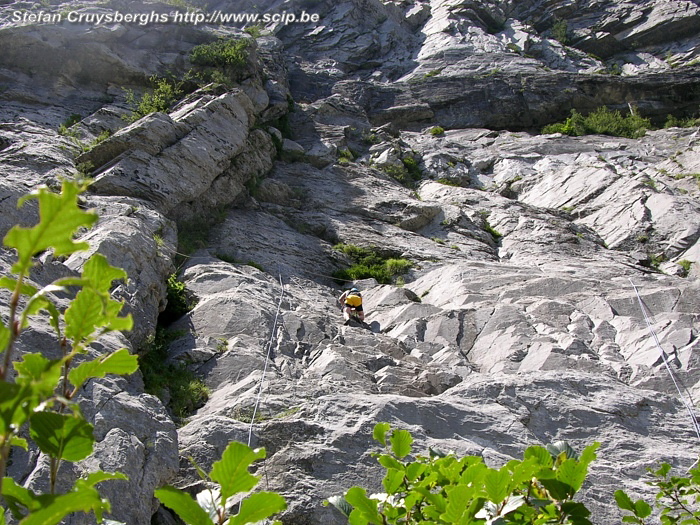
(517, 323)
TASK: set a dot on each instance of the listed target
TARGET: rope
(647, 318)
(267, 361)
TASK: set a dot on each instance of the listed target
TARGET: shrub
(674, 122)
(412, 168)
(448, 182)
(64, 129)
(560, 31)
(223, 61)
(345, 156)
(677, 497)
(37, 394)
(437, 131)
(231, 477)
(164, 94)
(178, 301)
(369, 263)
(685, 264)
(444, 489)
(407, 174)
(223, 52)
(603, 122)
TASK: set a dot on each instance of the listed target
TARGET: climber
(351, 302)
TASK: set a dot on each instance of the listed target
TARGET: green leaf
(558, 490)
(496, 484)
(357, 518)
(10, 283)
(573, 473)
(643, 509)
(576, 512)
(562, 450)
(231, 471)
(380, 431)
(401, 441)
(392, 480)
(540, 454)
(40, 373)
(120, 362)
(37, 377)
(588, 455)
(5, 336)
(458, 499)
(59, 218)
(415, 470)
(93, 478)
(16, 441)
(341, 504)
(624, 501)
(18, 498)
(93, 308)
(62, 436)
(388, 461)
(257, 507)
(55, 508)
(100, 274)
(183, 504)
(368, 508)
(13, 409)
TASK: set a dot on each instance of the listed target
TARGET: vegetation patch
(406, 174)
(345, 156)
(601, 122)
(173, 383)
(496, 235)
(369, 263)
(164, 94)
(448, 182)
(560, 31)
(682, 176)
(675, 122)
(685, 264)
(179, 301)
(223, 61)
(437, 131)
(65, 128)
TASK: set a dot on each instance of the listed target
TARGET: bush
(370, 264)
(407, 174)
(38, 394)
(685, 264)
(437, 131)
(560, 31)
(674, 122)
(164, 94)
(223, 52)
(602, 122)
(443, 489)
(231, 477)
(223, 61)
(677, 498)
(179, 302)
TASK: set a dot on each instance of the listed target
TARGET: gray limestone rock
(518, 321)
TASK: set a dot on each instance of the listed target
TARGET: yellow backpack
(353, 299)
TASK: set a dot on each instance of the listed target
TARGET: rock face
(413, 129)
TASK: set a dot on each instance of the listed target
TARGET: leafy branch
(445, 489)
(229, 477)
(42, 393)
